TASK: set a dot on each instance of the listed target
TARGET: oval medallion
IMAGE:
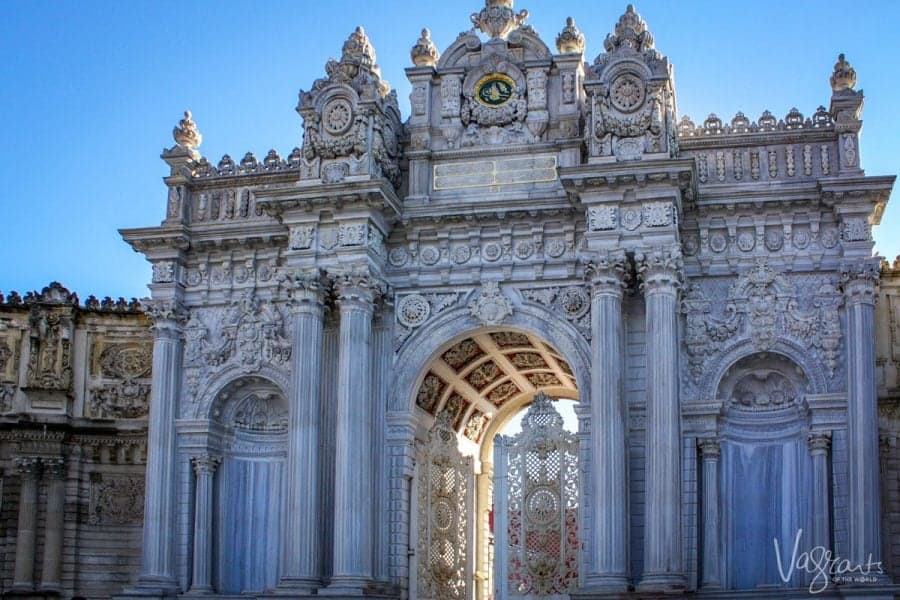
(494, 90)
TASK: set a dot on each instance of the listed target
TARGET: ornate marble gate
(536, 490)
(446, 502)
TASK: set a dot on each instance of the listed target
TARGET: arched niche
(252, 414)
(765, 469)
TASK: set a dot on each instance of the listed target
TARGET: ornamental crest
(763, 307)
(491, 307)
(250, 334)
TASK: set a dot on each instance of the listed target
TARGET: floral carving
(462, 354)
(429, 394)
(116, 500)
(129, 396)
(572, 301)
(762, 307)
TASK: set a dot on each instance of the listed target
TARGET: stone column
(301, 558)
(158, 559)
(23, 573)
(501, 517)
(660, 273)
(609, 555)
(353, 518)
(55, 475)
(819, 444)
(204, 470)
(864, 510)
(712, 578)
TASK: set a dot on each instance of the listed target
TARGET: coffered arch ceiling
(476, 378)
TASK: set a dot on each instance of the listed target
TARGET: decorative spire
(187, 135)
(358, 50)
(844, 76)
(357, 63)
(497, 19)
(631, 31)
(425, 53)
(570, 39)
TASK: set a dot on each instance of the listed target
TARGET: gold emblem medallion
(494, 90)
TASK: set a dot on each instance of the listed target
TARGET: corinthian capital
(608, 272)
(358, 287)
(819, 442)
(28, 466)
(205, 463)
(306, 288)
(860, 281)
(659, 269)
(167, 314)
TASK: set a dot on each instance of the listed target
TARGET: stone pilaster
(301, 551)
(158, 559)
(660, 274)
(353, 517)
(29, 469)
(819, 446)
(501, 517)
(55, 476)
(711, 573)
(864, 510)
(204, 471)
(609, 555)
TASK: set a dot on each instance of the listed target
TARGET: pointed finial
(186, 134)
(425, 53)
(570, 39)
(358, 50)
(630, 31)
(844, 76)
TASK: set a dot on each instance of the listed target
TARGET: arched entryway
(468, 390)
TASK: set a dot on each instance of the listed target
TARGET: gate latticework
(445, 499)
(536, 496)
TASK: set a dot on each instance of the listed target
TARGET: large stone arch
(424, 345)
(205, 400)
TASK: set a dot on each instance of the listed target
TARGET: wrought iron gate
(536, 507)
(446, 503)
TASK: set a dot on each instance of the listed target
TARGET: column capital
(168, 316)
(29, 467)
(710, 448)
(205, 463)
(660, 270)
(819, 442)
(306, 289)
(55, 468)
(608, 273)
(860, 280)
(357, 288)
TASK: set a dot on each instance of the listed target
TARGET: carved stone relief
(116, 500)
(123, 386)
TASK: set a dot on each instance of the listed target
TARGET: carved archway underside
(475, 378)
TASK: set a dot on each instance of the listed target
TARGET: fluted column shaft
(158, 558)
(712, 578)
(353, 518)
(204, 470)
(300, 550)
(864, 510)
(609, 556)
(23, 573)
(663, 569)
(819, 445)
(55, 475)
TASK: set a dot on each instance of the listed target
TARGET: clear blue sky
(90, 92)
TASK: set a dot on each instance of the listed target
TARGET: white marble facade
(338, 336)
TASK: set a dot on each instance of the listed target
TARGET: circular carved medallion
(461, 254)
(717, 242)
(828, 237)
(800, 239)
(442, 514)
(556, 247)
(494, 90)
(774, 240)
(398, 256)
(338, 116)
(429, 255)
(574, 301)
(746, 241)
(491, 252)
(627, 93)
(542, 506)
(413, 310)
(524, 250)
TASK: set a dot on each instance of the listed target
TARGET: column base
(354, 587)
(150, 587)
(662, 583)
(605, 584)
(297, 586)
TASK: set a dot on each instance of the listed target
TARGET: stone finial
(631, 31)
(358, 50)
(497, 19)
(844, 76)
(186, 134)
(570, 39)
(425, 53)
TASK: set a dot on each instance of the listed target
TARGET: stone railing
(249, 165)
(57, 294)
(767, 122)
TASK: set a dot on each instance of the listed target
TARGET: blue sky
(91, 90)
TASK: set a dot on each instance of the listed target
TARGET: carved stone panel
(116, 500)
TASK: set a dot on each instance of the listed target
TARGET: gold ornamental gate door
(536, 487)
